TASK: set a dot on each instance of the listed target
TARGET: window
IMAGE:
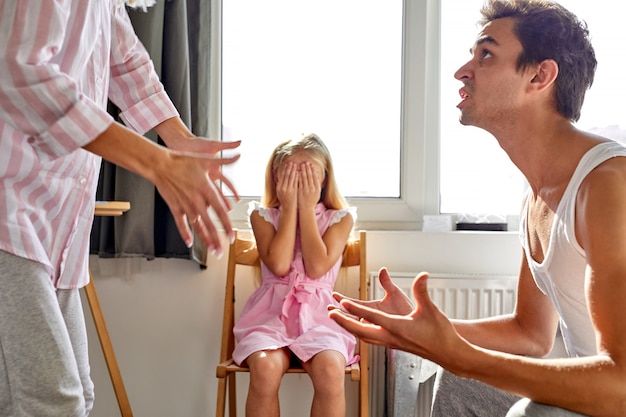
(375, 81)
(294, 67)
(331, 67)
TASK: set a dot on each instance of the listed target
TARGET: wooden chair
(243, 252)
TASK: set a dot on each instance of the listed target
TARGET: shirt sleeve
(135, 86)
(37, 97)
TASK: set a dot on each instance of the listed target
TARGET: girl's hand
(309, 186)
(287, 185)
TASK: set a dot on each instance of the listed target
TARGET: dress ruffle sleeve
(263, 211)
(339, 214)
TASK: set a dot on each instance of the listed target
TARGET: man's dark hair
(547, 30)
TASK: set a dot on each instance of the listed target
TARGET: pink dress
(291, 311)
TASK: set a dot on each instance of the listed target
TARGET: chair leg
(363, 403)
(364, 397)
(107, 349)
(232, 395)
(221, 397)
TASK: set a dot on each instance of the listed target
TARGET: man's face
(493, 89)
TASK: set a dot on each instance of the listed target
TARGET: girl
(301, 228)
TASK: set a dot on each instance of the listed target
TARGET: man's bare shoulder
(601, 203)
(607, 175)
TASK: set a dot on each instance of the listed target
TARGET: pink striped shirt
(57, 69)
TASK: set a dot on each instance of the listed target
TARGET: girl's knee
(330, 360)
(267, 368)
(327, 369)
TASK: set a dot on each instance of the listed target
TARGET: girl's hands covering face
(309, 185)
(287, 184)
(299, 182)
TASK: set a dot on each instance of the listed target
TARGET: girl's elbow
(315, 271)
(279, 270)
(315, 275)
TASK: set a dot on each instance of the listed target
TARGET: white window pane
(330, 67)
(476, 175)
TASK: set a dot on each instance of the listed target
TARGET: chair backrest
(243, 252)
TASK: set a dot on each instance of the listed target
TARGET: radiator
(401, 382)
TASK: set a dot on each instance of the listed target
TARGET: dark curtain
(176, 33)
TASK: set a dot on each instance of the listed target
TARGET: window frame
(419, 151)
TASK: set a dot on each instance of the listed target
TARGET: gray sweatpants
(44, 364)
(460, 397)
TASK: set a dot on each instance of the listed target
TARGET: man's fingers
(352, 323)
(420, 289)
(332, 307)
(386, 282)
(362, 328)
(363, 312)
(384, 278)
(338, 296)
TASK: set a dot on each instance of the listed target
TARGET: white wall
(164, 317)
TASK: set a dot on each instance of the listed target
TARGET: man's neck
(546, 152)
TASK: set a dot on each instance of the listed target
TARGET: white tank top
(561, 275)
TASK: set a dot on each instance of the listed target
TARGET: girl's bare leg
(266, 371)
(327, 374)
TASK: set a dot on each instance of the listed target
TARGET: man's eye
(485, 53)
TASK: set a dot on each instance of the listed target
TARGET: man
(525, 82)
(59, 63)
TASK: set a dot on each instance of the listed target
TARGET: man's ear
(544, 75)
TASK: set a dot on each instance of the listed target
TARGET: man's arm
(591, 385)
(530, 330)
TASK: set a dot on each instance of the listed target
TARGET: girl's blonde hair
(313, 146)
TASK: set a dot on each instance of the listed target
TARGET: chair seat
(229, 366)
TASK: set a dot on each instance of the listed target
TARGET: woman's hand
(199, 145)
(177, 136)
